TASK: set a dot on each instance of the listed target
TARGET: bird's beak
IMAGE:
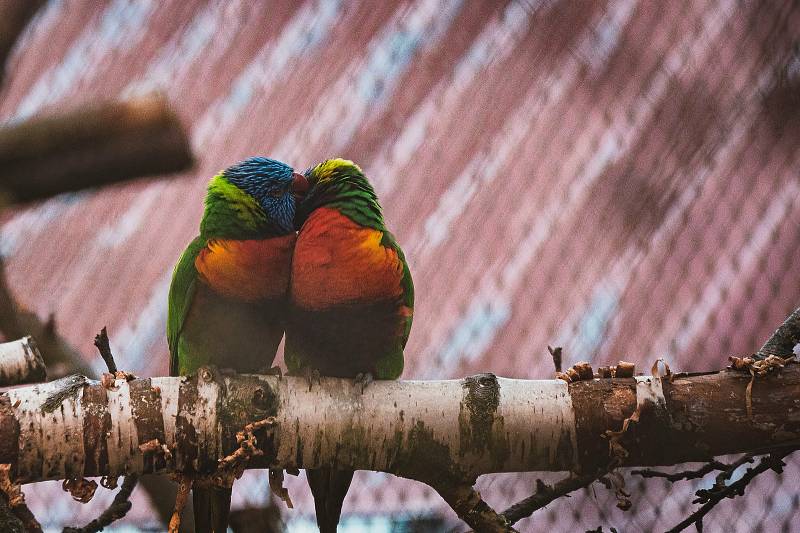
(300, 186)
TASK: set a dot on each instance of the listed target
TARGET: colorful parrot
(228, 298)
(351, 299)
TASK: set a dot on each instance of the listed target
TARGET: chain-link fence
(616, 177)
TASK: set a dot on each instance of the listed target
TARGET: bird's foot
(362, 380)
(312, 375)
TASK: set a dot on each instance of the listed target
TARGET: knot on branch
(483, 395)
(481, 402)
(65, 388)
(81, 489)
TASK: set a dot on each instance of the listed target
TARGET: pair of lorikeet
(305, 254)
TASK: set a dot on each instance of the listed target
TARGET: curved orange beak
(299, 186)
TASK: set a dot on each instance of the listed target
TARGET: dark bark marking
(96, 428)
(186, 446)
(146, 409)
(9, 435)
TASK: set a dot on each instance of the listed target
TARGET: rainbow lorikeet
(351, 299)
(228, 298)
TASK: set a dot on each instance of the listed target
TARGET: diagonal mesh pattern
(616, 177)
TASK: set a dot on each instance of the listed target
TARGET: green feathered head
(255, 198)
(342, 185)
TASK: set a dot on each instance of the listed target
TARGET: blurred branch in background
(90, 147)
(16, 322)
(14, 17)
(21, 362)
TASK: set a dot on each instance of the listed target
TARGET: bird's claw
(312, 375)
(362, 380)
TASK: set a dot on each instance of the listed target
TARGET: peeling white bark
(169, 389)
(123, 442)
(428, 430)
(533, 419)
(20, 363)
(649, 390)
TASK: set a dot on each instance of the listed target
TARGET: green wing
(406, 282)
(390, 366)
(181, 294)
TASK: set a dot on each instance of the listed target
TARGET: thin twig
(118, 509)
(104, 347)
(727, 473)
(707, 468)
(544, 495)
(555, 353)
(711, 497)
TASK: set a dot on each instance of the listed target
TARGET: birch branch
(438, 432)
(20, 363)
(14, 17)
(93, 146)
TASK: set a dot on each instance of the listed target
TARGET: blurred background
(620, 178)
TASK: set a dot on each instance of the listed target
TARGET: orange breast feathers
(336, 261)
(247, 270)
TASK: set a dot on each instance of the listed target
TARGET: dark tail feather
(329, 488)
(211, 509)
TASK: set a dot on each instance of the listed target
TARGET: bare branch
(93, 146)
(118, 509)
(546, 494)
(711, 497)
(470, 507)
(14, 17)
(104, 347)
(555, 353)
(698, 473)
(20, 363)
(417, 429)
(443, 433)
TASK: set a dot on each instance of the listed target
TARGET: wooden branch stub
(90, 147)
(21, 362)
